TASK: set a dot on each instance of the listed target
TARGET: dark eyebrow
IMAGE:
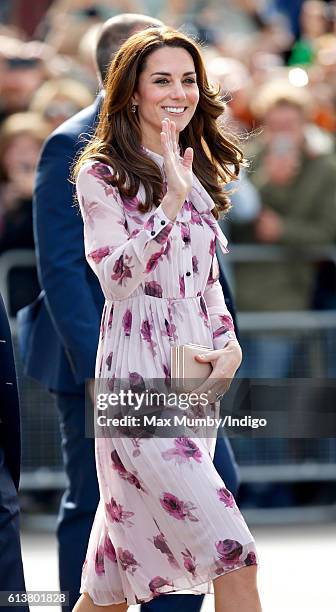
(169, 74)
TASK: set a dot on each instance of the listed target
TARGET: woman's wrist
(171, 205)
(233, 347)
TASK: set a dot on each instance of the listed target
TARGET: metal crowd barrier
(305, 460)
(41, 447)
(10, 261)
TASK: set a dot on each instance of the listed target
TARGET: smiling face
(167, 87)
(285, 123)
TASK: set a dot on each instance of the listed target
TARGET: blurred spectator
(67, 21)
(297, 187)
(86, 52)
(245, 200)
(21, 137)
(59, 99)
(25, 15)
(22, 71)
(247, 27)
(314, 23)
(4, 10)
(292, 9)
(235, 82)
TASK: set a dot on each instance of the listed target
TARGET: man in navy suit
(59, 332)
(11, 570)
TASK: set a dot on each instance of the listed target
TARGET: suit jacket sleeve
(9, 400)
(63, 271)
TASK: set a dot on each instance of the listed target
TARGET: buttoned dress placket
(186, 271)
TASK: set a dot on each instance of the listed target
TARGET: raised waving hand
(178, 170)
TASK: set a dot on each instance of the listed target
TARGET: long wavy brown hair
(117, 139)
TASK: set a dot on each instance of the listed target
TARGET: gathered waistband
(157, 297)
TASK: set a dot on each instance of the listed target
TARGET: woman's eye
(189, 81)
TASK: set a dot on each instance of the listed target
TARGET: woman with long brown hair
(150, 188)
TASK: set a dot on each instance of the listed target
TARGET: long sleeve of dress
(121, 260)
(220, 318)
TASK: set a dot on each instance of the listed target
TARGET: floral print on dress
(146, 334)
(212, 247)
(154, 289)
(136, 382)
(227, 320)
(127, 561)
(102, 323)
(189, 561)
(229, 552)
(100, 253)
(166, 372)
(251, 559)
(103, 173)
(178, 509)
(182, 286)
(157, 583)
(125, 474)
(136, 442)
(117, 514)
(211, 221)
(131, 207)
(153, 261)
(99, 561)
(162, 236)
(169, 331)
(204, 312)
(92, 213)
(134, 233)
(122, 269)
(194, 261)
(195, 218)
(131, 204)
(110, 383)
(127, 323)
(225, 496)
(185, 234)
(149, 224)
(185, 449)
(160, 543)
(101, 365)
(109, 360)
(110, 319)
(221, 330)
(214, 272)
(109, 550)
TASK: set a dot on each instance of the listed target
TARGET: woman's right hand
(178, 170)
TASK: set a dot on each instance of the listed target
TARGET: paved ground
(297, 572)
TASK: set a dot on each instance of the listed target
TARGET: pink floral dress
(165, 521)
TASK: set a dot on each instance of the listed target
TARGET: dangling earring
(133, 108)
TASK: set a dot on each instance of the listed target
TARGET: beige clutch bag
(187, 373)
